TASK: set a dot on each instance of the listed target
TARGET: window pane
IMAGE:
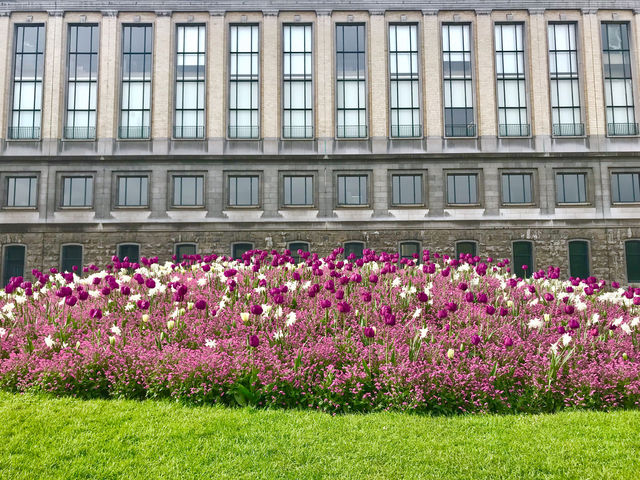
(462, 189)
(130, 251)
(467, 248)
(13, 264)
(410, 250)
(616, 59)
(294, 247)
(632, 251)
(183, 249)
(457, 81)
(243, 191)
(298, 190)
(135, 108)
(511, 77)
(353, 248)
(297, 82)
(21, 191)
(244, 101)
(350, 81)
(563, 71)
(77, 192)
(404, 76)
(240, 249)
(571, 188)
(188, 190)
(516, 188)
(132, 191)
(625, 187)
(352, 190)
(407, 189)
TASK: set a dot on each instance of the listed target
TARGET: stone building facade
(503, 128)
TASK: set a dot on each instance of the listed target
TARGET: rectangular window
(131, 251)
(243, 191)
(522, 259)
(28, 70)
(625, 187)
(244, 77)
(404, 78)
(352, 190)
(190, 81)
(71, 256)
(618, 81)
(579, 259)
(351, 86)
(406, 189)
(297, 82)
(188, 191)
(353, 250)
(462, 189)
(458, 81)
(571, 187)
(565, 87)
(82, 82)
(294, 247)
(135, 111)
(13, 264)
(510, 70)
(77, 191)
(183, 249)
(516, 188)
(632, 254)
(132, 191)
(298, 190)
(22, 191)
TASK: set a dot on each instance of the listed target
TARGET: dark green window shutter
(632, 249)
(579, 259)
(71, 256)
(13, 262)
(522, 255)
(466, 248)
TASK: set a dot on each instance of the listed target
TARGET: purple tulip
(615, 285)
(390, 319)
(369, 332)
(201, 304)
(507, 341)
(230, 273)
(504, 311)
(105, 291)
(549, 297)
(482, 298)
(83, 295)
(490, 309)
(71, 301)
(469, 297)
(561, 330)
(569, 309)
(593, 332)
(150, 283)
(373, 278)
(339, 294)
(325, 303)
(574, 324)
(423, 297)
(343, 307)
(442, 314)
(255, 309)
(254, 341)
(463, 286)
(95, 313)
(143, 304)
(475, 340)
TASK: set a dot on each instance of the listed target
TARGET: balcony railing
(24, 133)
(406, 131)
(459, 130)
(514, 130)
(244, 132)
(297, 132)
(134, 132)
(568, 129)
(621, 129)
(352, 131)
(79, 133)
(188, 132)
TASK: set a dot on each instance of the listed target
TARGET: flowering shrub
(441, 336)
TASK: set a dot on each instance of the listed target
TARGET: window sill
(625, 204)
(463, 205)
(408, 205)
(518, 205)
(131, 207)
(23, 140)
(20, 209)
(298, 207)
(76, 140)
(70, 207)
(242, 207)
(445, 137)
(358, 207)
(574, 205)
(186, 207)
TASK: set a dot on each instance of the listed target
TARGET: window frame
(172, 175)
(116, 190)
(233, 249)
(589, 187)
(424, 177)
(90, 137)
(349, 173)
(348, 242)
(294, 254)
(11, 96)
(121, 244)
(365, 80)
(633, 80)
(479, 187)
(229, 80)
(557, 132)
(121, 82)
(530, 268)
(5, 177)
(410, 242)
(470, 242)
(72, 244)
(589, 263)
(534, 190)
(62, 175)
(282, 175)
(525, 51)
(201, 130)
(283, 110)
(390, 109)
(618, 171)
(626, 260)
(4, 261)
(472, 128)
(177, 245)
(227, 189)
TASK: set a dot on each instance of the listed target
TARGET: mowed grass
(43, 437)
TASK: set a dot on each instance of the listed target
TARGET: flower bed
(442, 336)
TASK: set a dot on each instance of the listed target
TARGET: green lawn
(41, 437)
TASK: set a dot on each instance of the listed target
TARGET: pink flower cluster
(440, 335)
